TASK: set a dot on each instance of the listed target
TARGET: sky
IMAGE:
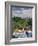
(22, 12)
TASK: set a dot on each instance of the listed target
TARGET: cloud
(21, 12)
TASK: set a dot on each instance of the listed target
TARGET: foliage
(30, 21)
(21, 23)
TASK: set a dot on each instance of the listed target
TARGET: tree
(19, 22)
